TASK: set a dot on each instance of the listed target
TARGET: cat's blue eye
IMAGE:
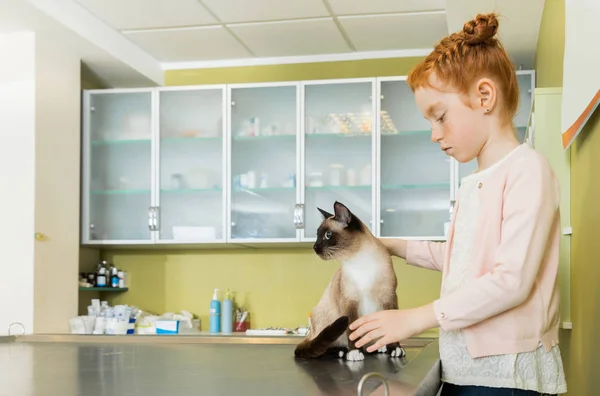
(327, 234)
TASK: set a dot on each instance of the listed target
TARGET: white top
(538, 371)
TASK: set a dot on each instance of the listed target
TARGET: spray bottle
(227, 317)
(215, 313)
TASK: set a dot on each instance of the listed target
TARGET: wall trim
(283, 60)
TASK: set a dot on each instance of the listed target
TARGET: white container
(335, 174)
(351, 177)
(191, 233)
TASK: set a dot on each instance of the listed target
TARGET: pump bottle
(215, 313)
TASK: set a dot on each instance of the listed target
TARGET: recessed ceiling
(210, 33)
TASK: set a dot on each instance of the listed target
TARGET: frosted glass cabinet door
(191, 163)
(415, 173)
(263, 162)
(338, 151)
(117, 167)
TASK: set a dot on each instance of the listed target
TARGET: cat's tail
(318, 346)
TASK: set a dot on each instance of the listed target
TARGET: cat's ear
(342, 213)
(325, 214)
(347, 218)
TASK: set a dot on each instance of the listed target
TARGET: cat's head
(339, 234)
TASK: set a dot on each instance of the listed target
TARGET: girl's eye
(327, 234)
(442, 118)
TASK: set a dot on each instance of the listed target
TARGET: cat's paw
(398, 352)
(383, 349)
(395, 350)
(355, 355)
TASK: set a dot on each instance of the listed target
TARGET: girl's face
(458, 122)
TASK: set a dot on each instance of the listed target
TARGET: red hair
(460, 59)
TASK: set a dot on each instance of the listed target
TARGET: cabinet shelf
(264, 190)
(105, 289)
(348, 135)
(414, 186)
(187, 139)
(189, 190)
(264, 137)
(117, 142)
(120, 192)
(366, 187)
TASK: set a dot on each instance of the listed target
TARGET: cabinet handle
(153, 218)
(150, 221)
(299, 216)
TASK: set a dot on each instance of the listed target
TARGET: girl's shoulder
(529, 171)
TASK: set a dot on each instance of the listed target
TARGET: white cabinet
(250, 163)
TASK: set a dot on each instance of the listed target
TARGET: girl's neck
(499, 144)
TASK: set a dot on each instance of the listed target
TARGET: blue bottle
(215, 313)
(227, 317)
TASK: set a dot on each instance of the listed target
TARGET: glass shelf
(116, 142)
(105, 289)
(119, 192)
(189, 190)
(191, 139)
(263, 137)
(415, 186)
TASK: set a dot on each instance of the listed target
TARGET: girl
(498, 310)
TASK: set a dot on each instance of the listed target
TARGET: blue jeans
(456, 390)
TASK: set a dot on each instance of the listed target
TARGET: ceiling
(151, 35)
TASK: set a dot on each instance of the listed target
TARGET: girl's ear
(487, 94)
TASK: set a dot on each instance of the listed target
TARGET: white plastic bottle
(227, 314)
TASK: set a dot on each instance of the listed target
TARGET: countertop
(202, 364)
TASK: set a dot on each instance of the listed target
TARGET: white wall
(17, 174)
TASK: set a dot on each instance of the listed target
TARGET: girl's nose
(436, 136)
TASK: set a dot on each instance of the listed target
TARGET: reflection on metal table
(131, 365)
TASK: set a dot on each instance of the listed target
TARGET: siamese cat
(364, 283)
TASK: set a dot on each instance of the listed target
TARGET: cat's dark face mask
(338, 234)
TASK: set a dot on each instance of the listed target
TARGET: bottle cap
(216, 294)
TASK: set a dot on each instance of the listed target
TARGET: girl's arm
(531, 224)
(426, 254)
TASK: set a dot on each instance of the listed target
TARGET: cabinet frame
(227, 140)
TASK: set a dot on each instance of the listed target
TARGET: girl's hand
(392, 326)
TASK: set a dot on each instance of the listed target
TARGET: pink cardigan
(511, 302)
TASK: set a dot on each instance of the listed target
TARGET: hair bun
(481, 29)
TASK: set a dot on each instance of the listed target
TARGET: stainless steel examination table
(69, 365)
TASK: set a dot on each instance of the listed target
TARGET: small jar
(315, 179)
